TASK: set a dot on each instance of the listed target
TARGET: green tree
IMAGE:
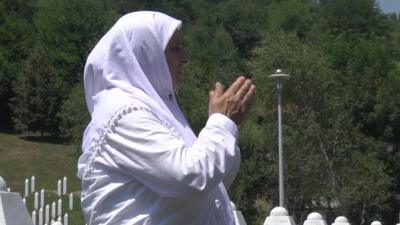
(15, 44)
(354, 18)
(292, 16)
(35, 103)
(74, 115)
(321, 147)
(245, 22)
(65, 31)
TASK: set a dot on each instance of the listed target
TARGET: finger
(219, 89)
(210, 95)
(249, 97)
(235, 86)
(244, 88)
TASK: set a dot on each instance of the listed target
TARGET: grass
(24, 156)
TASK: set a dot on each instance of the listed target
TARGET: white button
(217, 203)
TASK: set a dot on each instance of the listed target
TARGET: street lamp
(279, 75)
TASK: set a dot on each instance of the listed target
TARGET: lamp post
(279, 76)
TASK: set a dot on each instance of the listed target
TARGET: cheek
(175, 61)
(171, 59)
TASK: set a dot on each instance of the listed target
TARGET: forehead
(176, 37)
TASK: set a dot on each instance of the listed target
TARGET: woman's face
(176, 58)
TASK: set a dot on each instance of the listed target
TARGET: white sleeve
(142, 147)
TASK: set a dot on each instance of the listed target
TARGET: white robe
(143, 172)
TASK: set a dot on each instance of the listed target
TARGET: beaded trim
(100, 140)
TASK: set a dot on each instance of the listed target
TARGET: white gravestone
(33, 184)
(40, 222)
(59, 188)
(66, 219)
(26, 188)
(34, 217)
(47, 214)
(12, 209)
(36, 201)
(341, 220)
(53, 210)
(315, 218)
(64, 188)
(42, 198)
(279, 216)
(59, 208)
(71, 201)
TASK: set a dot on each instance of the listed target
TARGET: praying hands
(235, 102)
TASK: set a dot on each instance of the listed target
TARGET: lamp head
(279, 74)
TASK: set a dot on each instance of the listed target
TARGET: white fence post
(315, 218)
(376, 222)
(279, 215)
(341, 220)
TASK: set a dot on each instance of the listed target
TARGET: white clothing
(141, 162)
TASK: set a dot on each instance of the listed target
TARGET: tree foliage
(15, 44)
(64, 33)
(341, 106)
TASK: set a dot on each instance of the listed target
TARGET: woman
(141, 162)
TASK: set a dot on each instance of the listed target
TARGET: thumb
(210, 95)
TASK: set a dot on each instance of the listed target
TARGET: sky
(389, 6)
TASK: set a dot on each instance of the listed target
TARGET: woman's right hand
(235, 102)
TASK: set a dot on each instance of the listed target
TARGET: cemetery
(14, 210)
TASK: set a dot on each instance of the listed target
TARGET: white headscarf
(130, 58)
